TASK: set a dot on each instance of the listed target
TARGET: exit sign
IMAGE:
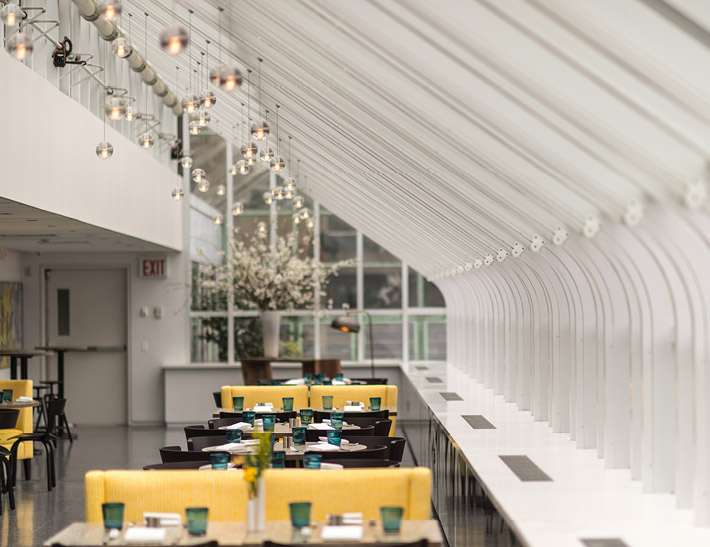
(153, 268)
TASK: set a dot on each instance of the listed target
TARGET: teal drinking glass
(234, 435)
(248, 416)
(391, 519)
(113, 515)
(339, 376)
(336, 419)
(287, 403)
(269, 421)
(196, 520)
(300, 514)
(312, 461)
(6, 396)
(278, 459)
(238, 403)
(334, 436)
(375, 403)
(327, 402)
(299, 435)
(306, 416)
(219, 460)
(308, 377)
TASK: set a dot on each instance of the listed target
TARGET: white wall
(9, 271)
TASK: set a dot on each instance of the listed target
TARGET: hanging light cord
(146, 61)
(248, 101)
(278, 141)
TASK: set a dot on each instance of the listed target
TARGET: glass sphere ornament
(230, 78)
(115, 108)
(186, 162)
(266, 154)
(261, 229)
(121, 48)
(221, 190)
(289, 183)
(208, 98)
(249, 150)
(104, 150)
(277, 192)
(11, 14)
(110, 9)
(304, 213)
(268, 198)
(178, 194)
(146, 140)
(260, 130)
(219, 219)
(194, 127)
(243, 167)
(237, 208)
(131, 113)
(277, 164)
(198, 174)
(173, 39)
(203, 117)
(203, 185)
(298, 202)
(190, 103)
(20, 46)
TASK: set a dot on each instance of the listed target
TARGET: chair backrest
(216, 423)
(175, 454)
(265, 394)
(341, 394)
(8, 418)
(370, 381)
(375, 453)
(396, 445)
(313, 434)
(320, 415)
(198, 443)
(55, 408)
(383, 427)
(174, 465)
(364, 462)
(217, 395)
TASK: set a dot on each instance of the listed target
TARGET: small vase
(256, 509)
(270, 320)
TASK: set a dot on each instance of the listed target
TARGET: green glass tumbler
(287, 403)
(219, 460)
(269, 420)
(312, 461)
(299, 435)
(336, 419)
(278, 459)
(196, 520)
(306, 416)
(308, 377)
(6, 396)
(339, 376)
(238, 403)
(300, 514)
(375, 403)
(113, 515)
(234, 435)
(391, 519)
(248, 416)
(327, 402)
(334, 436)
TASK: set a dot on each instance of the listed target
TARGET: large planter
(256, 509)
(270, 329)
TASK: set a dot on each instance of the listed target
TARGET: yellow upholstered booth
(341, 394)
(225, 492)
(265, 394)
(20, 388)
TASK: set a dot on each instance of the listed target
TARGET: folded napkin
(143, 536)
(324, 447)
(355, 403)
(350, 408)
(239, 425)
(259, 422)
(208, 467)
(331, 467)
(232, 448)
(250, 442)
(325, 440)
(352, 518)
(23, 399)
(321, 427)
(164, 519)
(340, 533)
(295, 382)
(268, 407)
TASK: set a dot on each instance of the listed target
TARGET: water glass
(308, 377)
(219, 460)
(278, 459)
(327, 402)
(287, 403)
(238, 403)
(299, 435)
(391, 519)
(306, 416)
(334, 436)
(339, 376)
(196, 520)
(336, 419)
(300, 514)
(375, 403)
(234, 435)
(312, 461)
(248, 416)
(113, 515)
(320, 376)
(6, 396)
(269, 421)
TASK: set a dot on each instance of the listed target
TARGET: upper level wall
(49, 162)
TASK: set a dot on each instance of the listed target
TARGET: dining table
(234, 534)
(282, 429)
(23, 355)
(294, 453)
(18, 404)
(392, 410)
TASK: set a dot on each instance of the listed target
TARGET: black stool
(63, 423)
(42, 412)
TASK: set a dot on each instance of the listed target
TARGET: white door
(87, 307)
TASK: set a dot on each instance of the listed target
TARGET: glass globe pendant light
(198, 175)
(243, 167)
(20, 46)
(174, 38)
(268, 198)
(131, 113)
(260, 128)
(104, 150)
(296, 218)
(115, 108)
(261, 229)
(110, 9)
(190, 103)
(208, 98)
(11, 14)
(146, 140)
(249, 150)
(266, 151)
(288, 194)
(178, 194)
(277, 192)
(121, 47)
(237, 208)
(298, 202)
(304, 213)
(219, 219)
(203, 185)
(194, 127)
(277, 163)
(186, 162)
(223, 75)
(221, 190)
(203, 118)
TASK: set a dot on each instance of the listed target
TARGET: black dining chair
(174, 465)
(216, 423)
(55, 409)
(363, 463)
(198, 443)
(382, 426)
(369, 381)
(8, 420)
(420, 543)
(395, 445)
(176, 454)
(376, 453)
(192, 431)
(281, 417)
(313, 434)
(217, 395)
(320, 415)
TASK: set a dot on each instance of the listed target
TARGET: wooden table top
(17, 404)
(63, 348)
(81, 534)
(24, 352)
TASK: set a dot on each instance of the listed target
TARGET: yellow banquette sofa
(265, 394)
(341, 394)
(20, 388)
(225, 492)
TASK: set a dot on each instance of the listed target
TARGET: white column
(187, 259)
(272, 213)
(229, 228)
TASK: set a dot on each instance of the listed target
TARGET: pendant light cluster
(20, 44)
